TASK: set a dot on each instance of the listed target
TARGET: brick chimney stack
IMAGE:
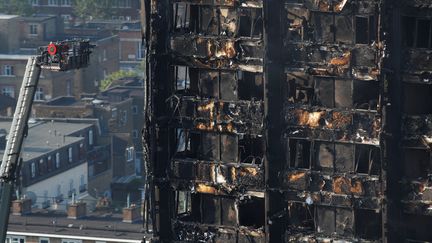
(21, 207)
(77, 210)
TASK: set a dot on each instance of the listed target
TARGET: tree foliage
(110, 80)
(17, 7)
(92, 9)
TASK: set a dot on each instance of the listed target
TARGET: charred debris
(289, 120)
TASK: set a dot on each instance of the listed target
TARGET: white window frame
(34, 2)
(39, 94)
(33, 29)
(53, 3)
(8, 70)
(33, 170)
(135, 109)
(66, 3)
(15, 239)
(70, 154)
(47, 240)
(135, 133)
(130, 154)
(90, 137)
(57, 161)
(71, 241)
(8, 91)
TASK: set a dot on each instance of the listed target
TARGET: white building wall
(63, 180)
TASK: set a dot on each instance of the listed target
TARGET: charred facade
(289, 121)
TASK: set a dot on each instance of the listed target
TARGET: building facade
(290, 121)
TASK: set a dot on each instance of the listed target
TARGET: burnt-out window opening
(365, 94)
(210, 146)
(324, 92)
(301, 215)
(334, 157)
(416, 32)
(252, 212)
(183, 203)
(182, 77)
(367, 159)
(299, 88)
(251, 23)
(345, 93)
(418, 227)
(218, 210)
(365, 29)
(416, 162)
(344, 29)
(324, 156)
(299, 153)
(187, 143)
(344, 159)
(251, 149)
(417, 99)
(324, 26)
(186, 80)
(330, 220)
(217, 84)
(229, 148)
(368, 224)
(250, 86)
(187, 206)
(297, 24)
(181, 15)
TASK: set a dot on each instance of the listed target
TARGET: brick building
(121, 9)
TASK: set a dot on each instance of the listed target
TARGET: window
(82, 186)
(8, 70)
(105, 73)
(57, 162)
(33, 170)
(8, 91)
(33, 29)
(135, 133)
(140, 51)
(68, 87)
(365, 29)
(181, 15)
(182, 77)
(50, 163)
(90, 137)
(130, 154)
(44, 240)
(70, 155)
(104, 55)
(66, 18)
(71, 241)
(16, 239)
(65, 2)
(35, 2)
(416, 32)
(39, 95)
(52, 2)
(41, 167)
(134, 109)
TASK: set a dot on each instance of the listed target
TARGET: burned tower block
(290, 121)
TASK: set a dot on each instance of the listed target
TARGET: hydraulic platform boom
(59, 56)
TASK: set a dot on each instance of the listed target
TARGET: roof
(7, 16)
(14, 57)
(45, 137)
(101, 225)
(38, 18)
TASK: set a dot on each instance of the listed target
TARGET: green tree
(18, 7)
(113, 77)
(93, 9)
